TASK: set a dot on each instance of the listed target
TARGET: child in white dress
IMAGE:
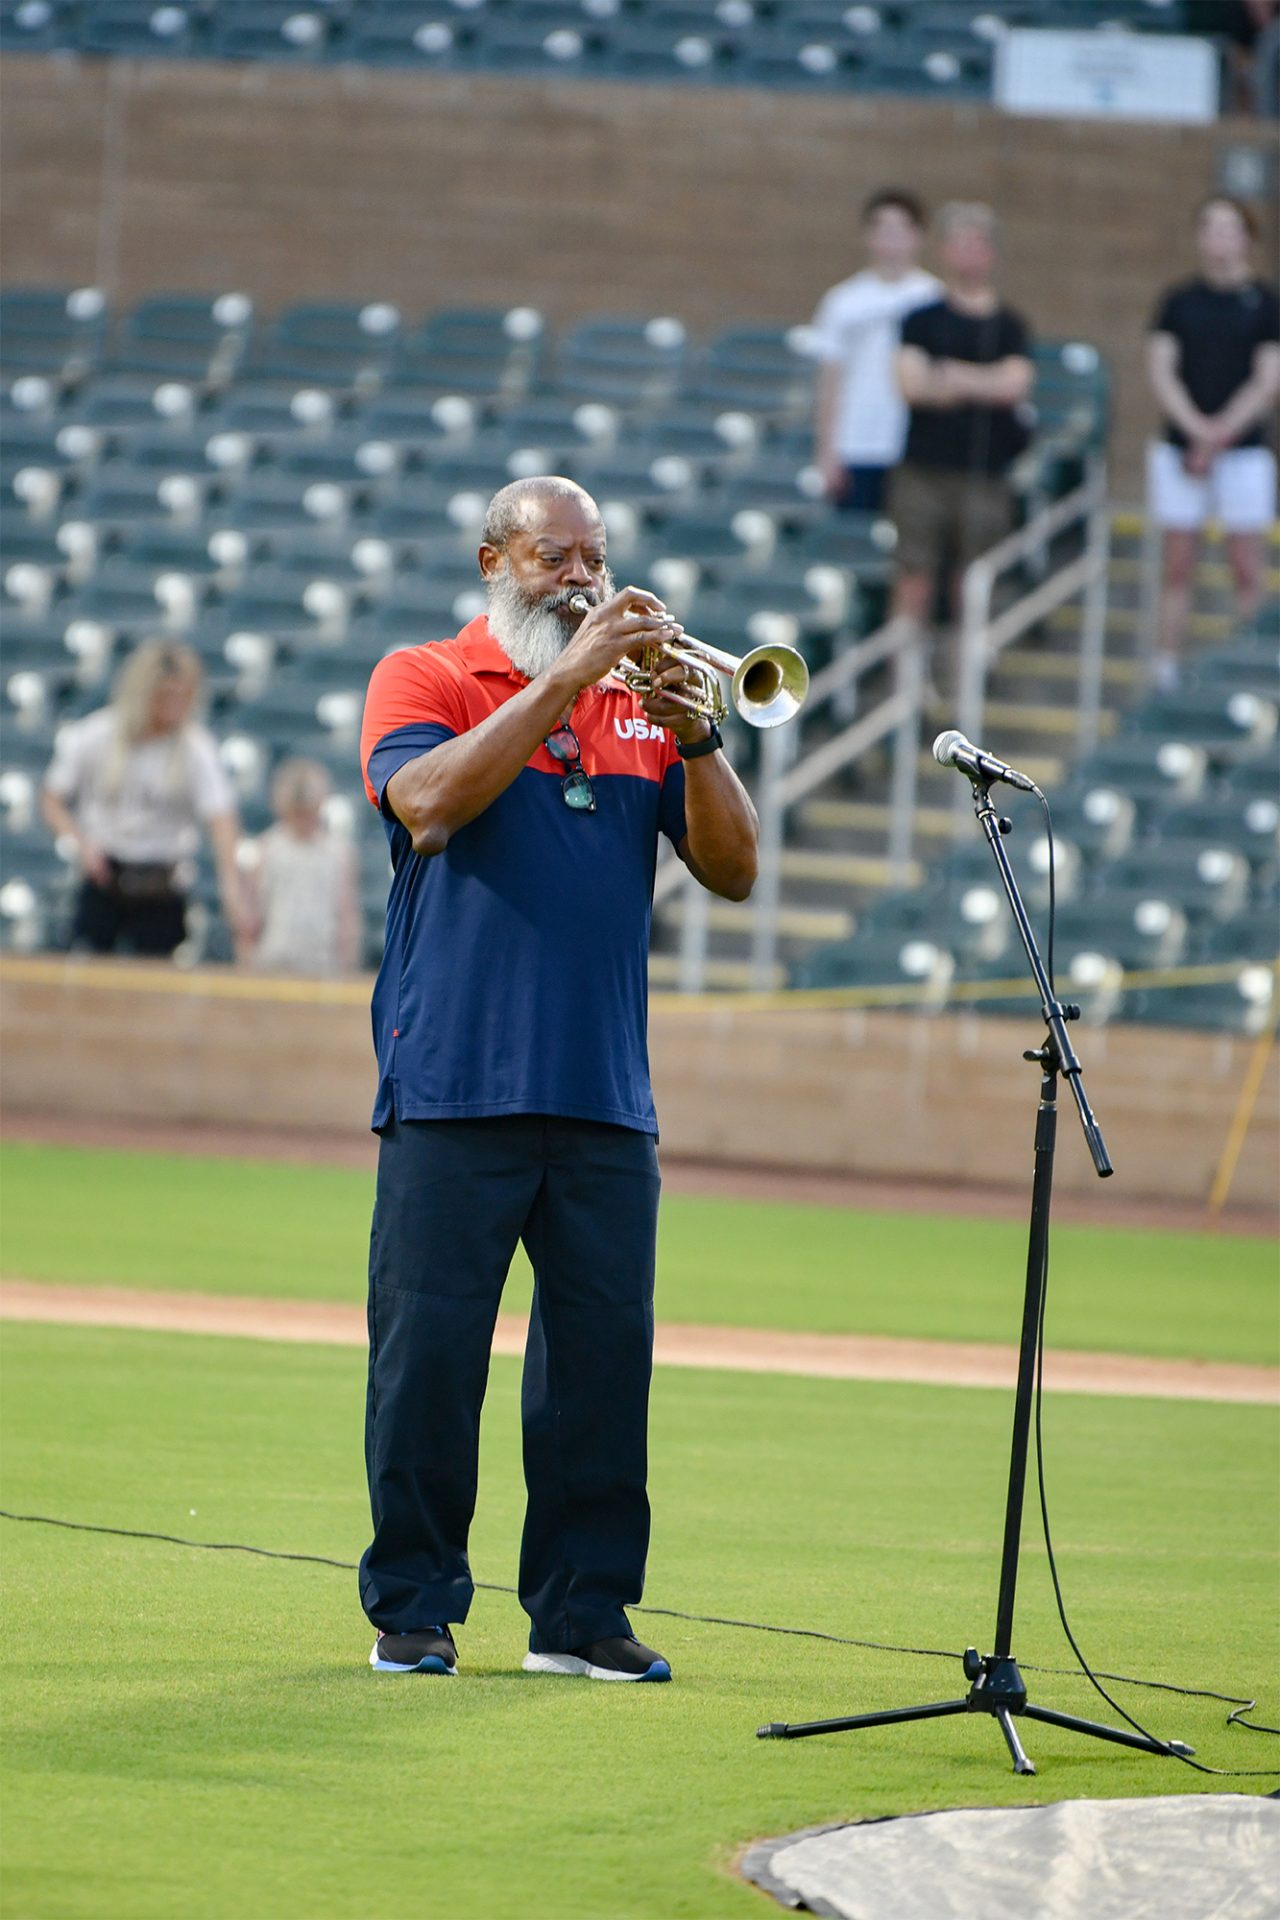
(303, 880)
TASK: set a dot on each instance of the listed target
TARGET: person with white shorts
(1213, 358)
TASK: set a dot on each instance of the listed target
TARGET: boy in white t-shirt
(861, 416)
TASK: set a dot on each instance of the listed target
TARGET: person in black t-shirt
(965, 371)
(1213, 357)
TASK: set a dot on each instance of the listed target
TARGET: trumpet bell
(769, 686)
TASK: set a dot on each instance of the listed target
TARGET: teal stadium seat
(911, 960)
(1149, 768)
(198, 336)
(563, 40)
(497, 352)
(339, 343)
(411, 34)
(792, 58)
(58, 331)
(1244, 1004)
(635, 361)
(130, 29)
(33, 26)
(114, 401)
(267, 30)
(1240, 726)
(643, 50)
(1250, 664)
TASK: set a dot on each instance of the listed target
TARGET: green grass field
(197, 1734)
(256, 1227)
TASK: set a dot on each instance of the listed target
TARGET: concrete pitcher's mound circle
(1190, 1857)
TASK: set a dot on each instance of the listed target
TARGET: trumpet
(767, 685)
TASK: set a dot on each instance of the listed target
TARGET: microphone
(951, 749)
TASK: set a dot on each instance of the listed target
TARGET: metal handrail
(786, 777)
(984, 636)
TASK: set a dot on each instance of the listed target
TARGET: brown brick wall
(428, 190)
(885, 1094)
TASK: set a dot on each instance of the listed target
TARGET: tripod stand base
(998, 1690)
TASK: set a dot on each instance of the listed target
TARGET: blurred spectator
(133, 785)
(302, 880)
(964, 368)
(1248, 31)
(1214, 362)
(862, 418)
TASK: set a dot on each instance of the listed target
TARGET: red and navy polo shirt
(515, 973)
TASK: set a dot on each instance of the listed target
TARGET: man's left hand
(662, 711)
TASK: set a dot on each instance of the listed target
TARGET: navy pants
(454, 1198)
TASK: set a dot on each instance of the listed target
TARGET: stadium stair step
(726, 976)
(830, 869)
(851, 818)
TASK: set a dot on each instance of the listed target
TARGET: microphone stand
(995, 1685)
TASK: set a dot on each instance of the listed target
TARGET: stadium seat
(1250, 824)
(638, 360)
(1240, 727)
(914, 64)
(1241, 1005)
(148, 453)
(793, 58)
(419, 421)
(1253, 934)
(200, 337)
(419, 508)
(639, 49)
(337, 343)
(1136, 926)
(265, 406)
(57, 331)
(127, 29)
(563, 40)
(1101, 820)
(125, 496)
(114, 401)
(1250, 664)
(777, 481)
(910, 960)
(408, 35)
(269, 30)
(33, 26)
(1207, 879)
(1147, 768)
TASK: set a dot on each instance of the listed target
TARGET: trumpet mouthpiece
(579, 603)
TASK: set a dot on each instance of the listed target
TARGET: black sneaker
(430, 1650)
(617, 1659)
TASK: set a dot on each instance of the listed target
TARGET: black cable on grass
(1095, 1680)
(1240, 1704)
(1233, 1719)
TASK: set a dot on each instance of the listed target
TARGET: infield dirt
(736, 1349)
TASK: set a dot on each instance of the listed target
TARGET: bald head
(522, 505)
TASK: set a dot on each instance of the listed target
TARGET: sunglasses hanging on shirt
(575, 784)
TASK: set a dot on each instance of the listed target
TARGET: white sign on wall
(1111, 76)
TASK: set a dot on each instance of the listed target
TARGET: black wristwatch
(696, 748)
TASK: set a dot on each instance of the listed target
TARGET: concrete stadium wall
(430, 190)
(884, 1094)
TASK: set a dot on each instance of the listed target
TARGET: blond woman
(134, 786)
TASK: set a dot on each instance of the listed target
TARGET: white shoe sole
(569, 1663)
(431, 1665)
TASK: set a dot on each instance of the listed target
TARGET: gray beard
(531, 632)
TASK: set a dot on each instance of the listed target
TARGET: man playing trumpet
(523, 788)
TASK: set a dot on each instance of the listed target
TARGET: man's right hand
(835, 478)
(631, 619)
(94, 863)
